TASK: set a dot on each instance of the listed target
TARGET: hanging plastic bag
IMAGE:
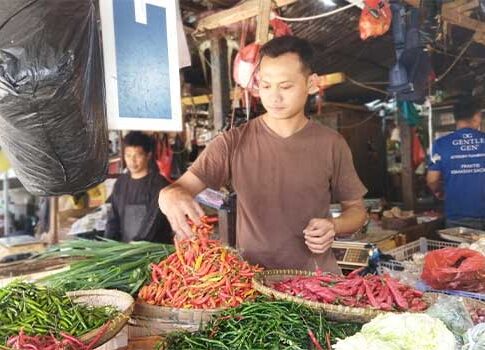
(53, 124)
(456, 269)
(419, 154)
(375, 19)
(164, 155)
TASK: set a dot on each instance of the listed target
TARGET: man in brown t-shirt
(284, 168)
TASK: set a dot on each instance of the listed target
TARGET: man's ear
(313, 81)
(477, 120)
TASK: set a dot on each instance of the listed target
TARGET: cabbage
(407, 331)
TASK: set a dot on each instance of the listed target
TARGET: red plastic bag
(455, 268)
(375, 19)
(418, 151)
(164, 156)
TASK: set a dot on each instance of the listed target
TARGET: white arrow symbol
(141, 9)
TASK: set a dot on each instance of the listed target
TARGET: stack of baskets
(150, 320)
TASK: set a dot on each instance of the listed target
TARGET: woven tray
(150, 320)
(104, 297)
(338, 313)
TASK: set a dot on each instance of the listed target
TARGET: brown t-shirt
(281, 184)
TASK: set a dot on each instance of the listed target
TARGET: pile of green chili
(268, 325)
(39, 310)
(106, 264)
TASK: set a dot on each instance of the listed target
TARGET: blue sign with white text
(142, 62)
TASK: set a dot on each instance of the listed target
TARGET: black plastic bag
(53, 124)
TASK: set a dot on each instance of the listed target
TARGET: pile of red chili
(49, 342)
(202, 274)
(380, 292)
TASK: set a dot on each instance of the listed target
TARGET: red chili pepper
(398, 298)
(314, 339)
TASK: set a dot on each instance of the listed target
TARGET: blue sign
(142, 78)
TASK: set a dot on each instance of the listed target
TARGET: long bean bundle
(264, 325)
(106, 264)
(38, 310)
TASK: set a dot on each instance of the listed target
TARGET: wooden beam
(407, 172)
(455, 13)
(53, 234)
(325, 81)
(235, 14)
(220, 82)
(262, 29)
(456, 18)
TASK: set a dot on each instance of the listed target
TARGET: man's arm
(352, 219)
(320, 233)
(177, 202)
(434, 182)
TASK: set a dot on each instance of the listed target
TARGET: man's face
(283, 86)
(136, 159)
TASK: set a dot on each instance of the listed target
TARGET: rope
(325, 14)
(455, 62)
(367, 86)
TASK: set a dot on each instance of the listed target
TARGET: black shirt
(138, 192)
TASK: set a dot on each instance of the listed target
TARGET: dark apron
(132, 221)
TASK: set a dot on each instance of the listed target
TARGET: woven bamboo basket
(150, 320)
(470, 303)
(340, 313)
(104, 297)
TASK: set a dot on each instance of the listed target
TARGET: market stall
(386, 80)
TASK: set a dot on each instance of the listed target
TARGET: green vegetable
(262, 325)
(106, 264)
(407, 331)
(40, 310)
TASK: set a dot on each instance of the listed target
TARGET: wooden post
(407, 173)
(53, 234)
(221, 99)
(262, 29)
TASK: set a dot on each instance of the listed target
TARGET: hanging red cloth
(164, 156)
(419, 155)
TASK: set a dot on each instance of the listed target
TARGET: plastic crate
(405, 252)
(423, 245)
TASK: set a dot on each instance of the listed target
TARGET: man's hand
(319, 235)
(177, 203)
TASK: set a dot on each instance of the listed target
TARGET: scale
(352, 255)
(14, 248)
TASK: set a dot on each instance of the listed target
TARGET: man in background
(457, 168)
(135, 215)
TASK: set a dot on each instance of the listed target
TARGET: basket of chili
(104, 297)
(343, 298)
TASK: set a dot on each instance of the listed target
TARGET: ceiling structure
(340, 49)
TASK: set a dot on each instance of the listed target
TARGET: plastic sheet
(475, 338)
(455, 268)
(52, 115)
(453, 313)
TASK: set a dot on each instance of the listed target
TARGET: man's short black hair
(138, 139)
(290, 44)
(466, 107)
